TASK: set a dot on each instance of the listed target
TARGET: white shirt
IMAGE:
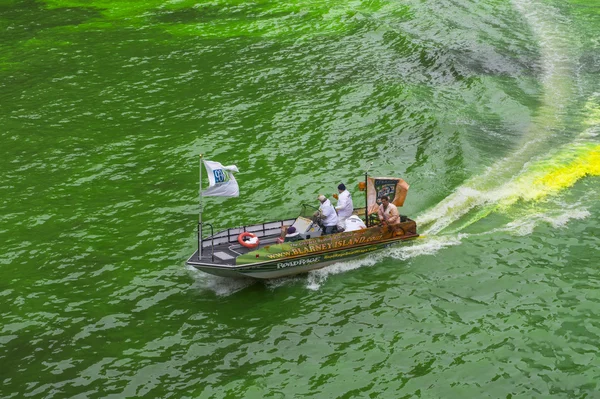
(329, 215)
(389, 214)
(344, 206)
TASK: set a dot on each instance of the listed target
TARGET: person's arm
(283, 232)
(380, 213)
(394, 216)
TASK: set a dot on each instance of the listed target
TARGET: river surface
(489, 109)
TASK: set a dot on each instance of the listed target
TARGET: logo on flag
(219, 176)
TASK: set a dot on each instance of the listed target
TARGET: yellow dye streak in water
(560, 175)
(566, 167)
(544, 178)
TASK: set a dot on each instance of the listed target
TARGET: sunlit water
(489, 109)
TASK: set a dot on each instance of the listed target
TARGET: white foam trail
(425, 246)
(453, 204)
(221, 286)
(283, 281)
(317, 277)
(552, 31)
(492, 186)
(562, 220)
(592, 109)
(521, 228)
(461, 202)
(525, 225)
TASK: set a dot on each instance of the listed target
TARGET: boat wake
(316, 278)
(538, 180)
(423, 246)
(220, 286)
(431, 245)
(546, 161)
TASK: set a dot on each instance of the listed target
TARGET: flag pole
(200, 213)
(367, 192)
(366, 198)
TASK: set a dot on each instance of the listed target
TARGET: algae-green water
(489, 109)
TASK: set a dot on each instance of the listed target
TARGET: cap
(321, 197)
(341, 187)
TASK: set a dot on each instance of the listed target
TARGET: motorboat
(266, 250)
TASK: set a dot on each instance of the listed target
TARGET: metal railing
(266, 229)
(231, 235)
(212, 233)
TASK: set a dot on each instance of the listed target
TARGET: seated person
(291, 234)
(288, 233)
(354, 223)
(328, 216)
(281, 237)
(388, 212)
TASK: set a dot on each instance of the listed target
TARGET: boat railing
(231, 235)
(307, 211)
(212, 233)
(261, 230)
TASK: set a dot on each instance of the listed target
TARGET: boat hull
(284, 267)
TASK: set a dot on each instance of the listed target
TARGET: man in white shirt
(344, 206)
(328, 216)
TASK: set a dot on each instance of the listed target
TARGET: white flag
(221, 180)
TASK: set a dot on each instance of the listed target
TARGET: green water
(489, 109)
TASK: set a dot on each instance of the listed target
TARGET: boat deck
(224, 254)
(223, 248)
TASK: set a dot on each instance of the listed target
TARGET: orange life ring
(250, 236)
